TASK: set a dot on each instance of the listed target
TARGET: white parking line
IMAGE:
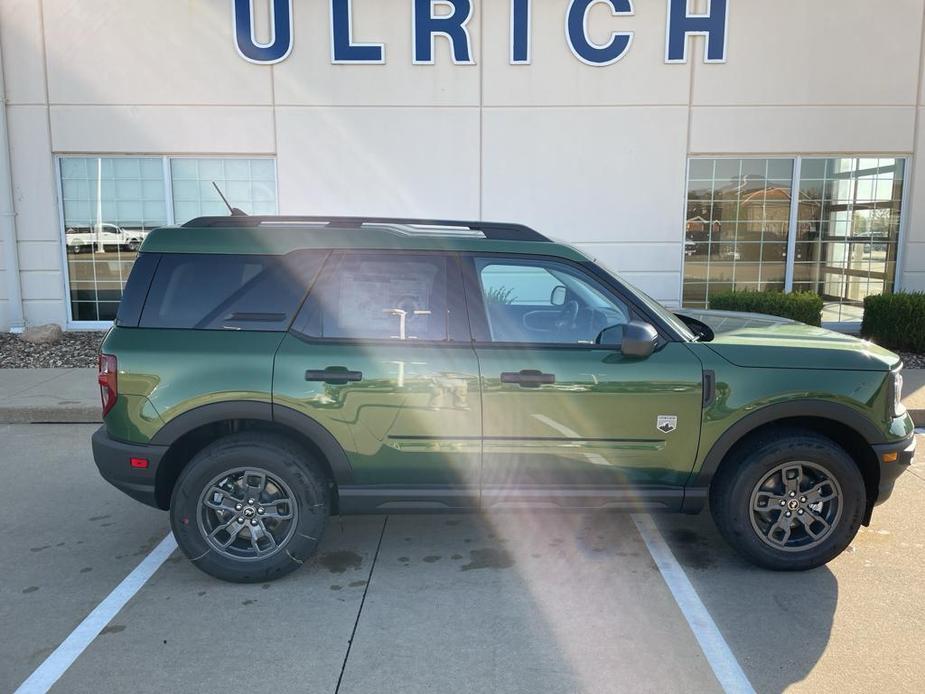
(714, 646)
(55, 665)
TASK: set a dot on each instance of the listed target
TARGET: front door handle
(334, 375)
(528, 378)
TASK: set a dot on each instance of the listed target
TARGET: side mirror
(635, 339)
(558, 295)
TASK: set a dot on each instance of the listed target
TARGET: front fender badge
(666, 423)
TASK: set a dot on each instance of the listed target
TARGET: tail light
(109, 381)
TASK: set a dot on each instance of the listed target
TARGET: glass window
(846, 234)
(539, 301)
(848, 231)
(228, 292)
(738, 216)
(110, 204)
(249, 184)
(381, 297)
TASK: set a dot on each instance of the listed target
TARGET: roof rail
(498, 231)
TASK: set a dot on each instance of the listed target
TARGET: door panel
(597, 424)
(565, 420)
(380, 355)
(414, 418)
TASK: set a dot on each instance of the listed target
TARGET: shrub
(805, 307)
(896, 321)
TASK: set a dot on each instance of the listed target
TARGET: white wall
(596, 156)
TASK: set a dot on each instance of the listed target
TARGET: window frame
(457, 326)
(168, 202)
(478, 316)
(793, 218)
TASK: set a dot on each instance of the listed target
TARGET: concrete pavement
(519, 602)
(72, 396)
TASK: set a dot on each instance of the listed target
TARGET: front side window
(545, 301)
(380, 297)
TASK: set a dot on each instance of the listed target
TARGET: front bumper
(113, 458)
(904, 452)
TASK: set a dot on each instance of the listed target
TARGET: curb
(60, 414)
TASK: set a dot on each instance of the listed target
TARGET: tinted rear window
(229, 292)
(136, 289)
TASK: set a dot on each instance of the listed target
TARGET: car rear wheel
(789, 500)
(250, 507)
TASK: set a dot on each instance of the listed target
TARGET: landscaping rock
(50, 334)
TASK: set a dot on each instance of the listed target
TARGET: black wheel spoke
(256, 482)
(221, 499)
(766, 501)
(281, 509)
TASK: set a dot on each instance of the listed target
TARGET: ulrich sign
(453, 22)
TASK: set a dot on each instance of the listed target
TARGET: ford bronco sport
(264, 373)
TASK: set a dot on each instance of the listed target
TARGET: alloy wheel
(247, 514)
(796, 506)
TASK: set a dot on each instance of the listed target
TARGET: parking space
(498, 602)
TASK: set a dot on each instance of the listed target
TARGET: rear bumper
(889, 472)
(113, 458)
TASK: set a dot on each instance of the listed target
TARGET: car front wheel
(789, 500)
(250, 507)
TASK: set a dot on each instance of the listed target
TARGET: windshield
(652, 305)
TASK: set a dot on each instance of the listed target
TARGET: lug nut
(803, 499)
(788, 514)
(254, 523)
(793, 493)
(250, 501)
(261, 510)
(238, 507)
(783, 503)
(800, 512)
(240, 519)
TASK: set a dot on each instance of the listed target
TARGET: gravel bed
(913, 361)
(76, 350)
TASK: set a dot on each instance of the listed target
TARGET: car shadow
(777, 624)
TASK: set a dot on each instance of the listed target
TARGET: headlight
(898, 408)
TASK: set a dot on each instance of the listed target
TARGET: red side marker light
(140, 463)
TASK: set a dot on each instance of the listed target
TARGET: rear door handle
(334, 375)
(528, 378)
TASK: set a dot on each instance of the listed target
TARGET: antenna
(235, 212)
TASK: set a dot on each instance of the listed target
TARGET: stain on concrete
(265, 586)
(98, 518)
(39, 549)
(86, 569)
(201, 593)
(456, 557)
(358, 584)
(691, 550)
(113, 629)
(248, 602)
(488, 558)
(430, 559)
(404, 560)
(337, 587)
(340, 562)
(30, 589)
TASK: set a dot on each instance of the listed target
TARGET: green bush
(805, 307)
(896, 321)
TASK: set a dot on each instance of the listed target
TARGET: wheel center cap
(793, 504)
(249, 512)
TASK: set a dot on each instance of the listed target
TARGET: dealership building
(691, 147)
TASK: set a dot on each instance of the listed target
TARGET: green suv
(265, 373)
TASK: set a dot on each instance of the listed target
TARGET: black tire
(288, 470)
(742, 484)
